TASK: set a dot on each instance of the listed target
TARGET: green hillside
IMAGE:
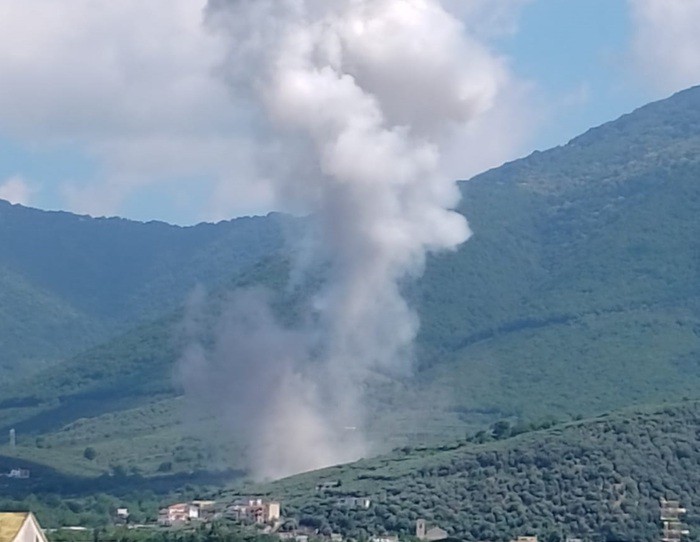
(34, 323)
(68, 282)
(122, 398)
(580, 290)
(578, 294)
(598, 479)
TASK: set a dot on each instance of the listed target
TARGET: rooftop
(10, 524)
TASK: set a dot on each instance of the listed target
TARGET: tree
(500, 429)
(89, 453)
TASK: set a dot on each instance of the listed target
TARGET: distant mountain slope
(597, 479)
(580, 289)
(34, 323)
(105, 275)
(579, 292)
(609, 217)
(124, 372)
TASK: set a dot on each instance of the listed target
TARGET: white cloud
(500, 134)
(666, 42)
(16, 190)
(79, 68)
(131, 83)
(136, 86)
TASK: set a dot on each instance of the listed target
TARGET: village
(266, 516)
(263, 516)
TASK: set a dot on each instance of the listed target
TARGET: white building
(355, 502)
(177, 514)
(257, 511)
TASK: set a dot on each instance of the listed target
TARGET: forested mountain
(578, 293)
(68, 281)
(581, 286)
(599, 480)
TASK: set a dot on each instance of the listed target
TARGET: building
(526, 539)
(20, 527)
(257, 511)
(178, 514)
(431, 535)
(208, 510)
(355, 502)
(18, 473)
(204, 505)
(673, 528)
(435, 533)
(420, 529)
(327, 486)
(122, 515)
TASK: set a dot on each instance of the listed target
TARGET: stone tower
(420, 529)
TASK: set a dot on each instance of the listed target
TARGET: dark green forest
(68, 282)
(598, 479)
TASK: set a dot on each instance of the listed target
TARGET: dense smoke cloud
(137, 105)
(354, 100)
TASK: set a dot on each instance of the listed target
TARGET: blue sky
(574, 50)
(118, 109)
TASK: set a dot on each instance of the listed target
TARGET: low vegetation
(598, 479)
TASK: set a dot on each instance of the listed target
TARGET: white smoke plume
(354, 101)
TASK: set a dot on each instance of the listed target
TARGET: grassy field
(148, 440)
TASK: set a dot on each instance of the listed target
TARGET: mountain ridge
(108, 274)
